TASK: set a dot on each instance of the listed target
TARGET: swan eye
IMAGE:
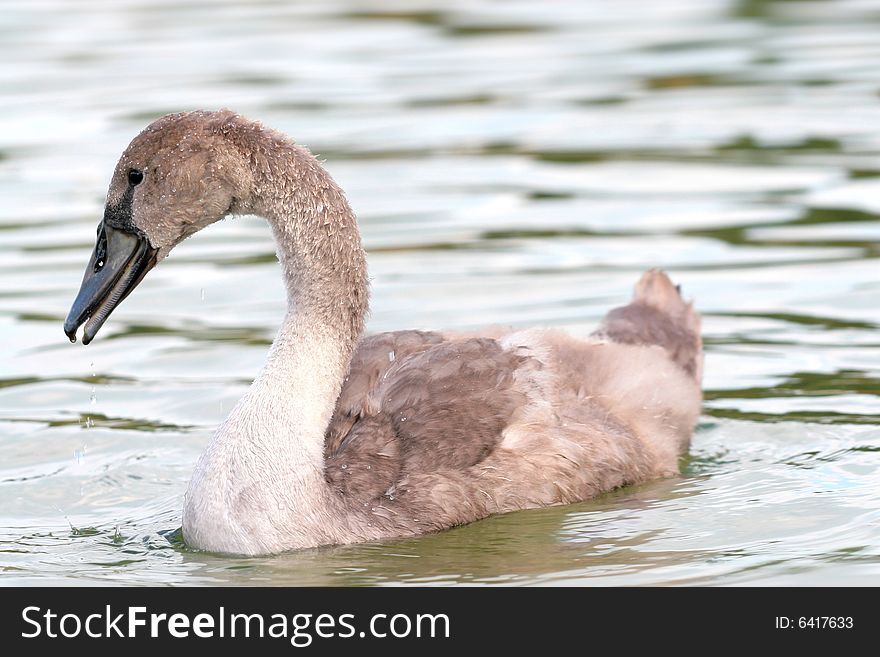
(135, 177)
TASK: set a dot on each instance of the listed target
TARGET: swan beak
(119, 262)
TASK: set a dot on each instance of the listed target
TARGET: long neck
(324, 269)
(262, 475)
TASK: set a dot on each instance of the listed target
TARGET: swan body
(344, 438)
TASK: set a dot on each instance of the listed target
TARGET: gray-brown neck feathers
(319, 245)
(259, 487)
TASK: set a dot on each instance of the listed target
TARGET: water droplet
(202, 294)
(369, 467)
(391, 356)
(344, 467)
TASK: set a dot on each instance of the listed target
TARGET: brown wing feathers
(437, 404)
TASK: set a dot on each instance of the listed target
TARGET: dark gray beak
(119, 262)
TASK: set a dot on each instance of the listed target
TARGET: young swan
(343, 438)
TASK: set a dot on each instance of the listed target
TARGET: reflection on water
(511, 163)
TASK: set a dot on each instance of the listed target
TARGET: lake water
(510, 162)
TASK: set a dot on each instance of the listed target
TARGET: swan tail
(658, 315)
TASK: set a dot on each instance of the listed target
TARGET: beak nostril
(100, 249)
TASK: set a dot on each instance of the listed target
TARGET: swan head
(180, 174)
